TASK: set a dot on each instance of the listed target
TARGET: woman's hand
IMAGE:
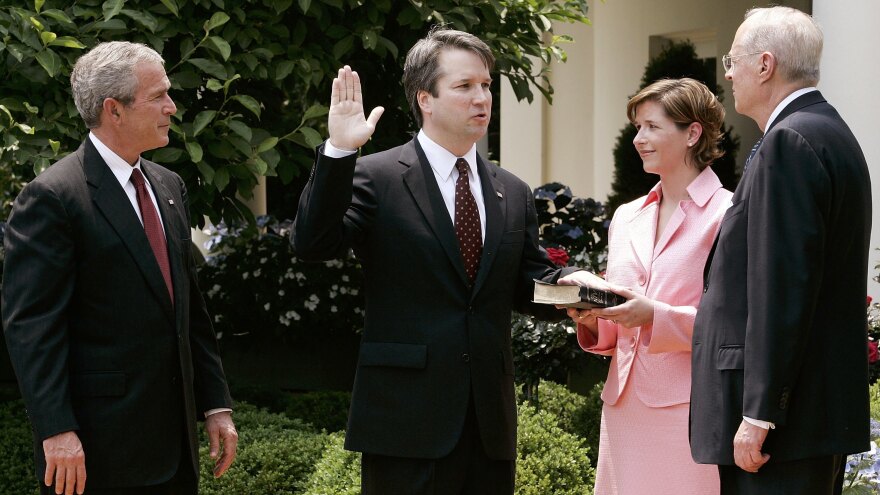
(638, 310)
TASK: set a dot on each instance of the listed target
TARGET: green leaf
(67, 42)
(47, 37)
(316, 110)
(37, 24)
(38, 5)
(111, 8)
(283, 69)
(313, 139)
(216, 20)
(8, 114)
(258, 165)
(342, 47)
(249, 102)
(237, 127)
(267, 144)
(58, 15)
(111, 25)
(203, 119)
(211, 67)
(304, 5)
(167, 155)
(221, 178)
(40, 165)
(229, 82)
(370, 39)
(195, 151)
(171, 5)
(207, 171)
(281, 5)
(145, 19)
(50, 61)
(222, 46)
(55, 145)
(214, 85)
(30, 108)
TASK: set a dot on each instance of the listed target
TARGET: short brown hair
(686, 101)
(421, 69)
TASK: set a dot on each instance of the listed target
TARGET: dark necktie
(752, 154)
(467, 222)
(153, 228)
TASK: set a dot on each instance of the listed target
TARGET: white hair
(107, 71)
(793, 37)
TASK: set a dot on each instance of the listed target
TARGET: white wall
(850, 72)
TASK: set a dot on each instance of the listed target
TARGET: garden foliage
(250, 77)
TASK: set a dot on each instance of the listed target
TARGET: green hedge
(282, 455)
(578, 414)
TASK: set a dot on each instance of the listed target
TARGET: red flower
(869, 299)
(558, 256)
(873, 353)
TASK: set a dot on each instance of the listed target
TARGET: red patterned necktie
(467, 222)
(153, 228)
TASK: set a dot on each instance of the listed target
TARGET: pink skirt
(644, 451)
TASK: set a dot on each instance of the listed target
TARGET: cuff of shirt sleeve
(761, 424)
(334, 152)
(210, 412)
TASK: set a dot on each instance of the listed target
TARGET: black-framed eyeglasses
(728, 60)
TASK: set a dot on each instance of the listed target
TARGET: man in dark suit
(107, 330)
(779, 393)
(449, 246)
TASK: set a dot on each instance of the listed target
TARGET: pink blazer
(655, 359)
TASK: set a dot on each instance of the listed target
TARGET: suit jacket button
(465, 358)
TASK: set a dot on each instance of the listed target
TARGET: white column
(522, 135)
(850, 72)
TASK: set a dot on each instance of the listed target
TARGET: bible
(575, 296)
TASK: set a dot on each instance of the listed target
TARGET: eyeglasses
(727, 60)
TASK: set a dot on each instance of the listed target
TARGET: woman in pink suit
(658, 245)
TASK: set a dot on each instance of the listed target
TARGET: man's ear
(425, 101)
(767, 64)
(111, 110)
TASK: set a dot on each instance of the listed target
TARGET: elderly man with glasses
(779, 391)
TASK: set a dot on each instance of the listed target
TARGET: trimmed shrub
(325, 410)
(275, 455)
(577, 414)
(550, 460)
(17, 466)
(338, 472)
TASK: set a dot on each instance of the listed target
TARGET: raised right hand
(65, 463)
(349, 130)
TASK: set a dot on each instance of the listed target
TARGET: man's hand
(584, 279)
(223, 440)
(747, 447)
(348, 128)
(65, 463)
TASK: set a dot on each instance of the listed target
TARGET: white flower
(245, 275)
(263, 260)
(333, 309)
(266, 306)
(257, 273)
(345, 278)
(281, 292)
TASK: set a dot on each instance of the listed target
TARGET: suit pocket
(730, 357)
(98, 384)
(393, 355)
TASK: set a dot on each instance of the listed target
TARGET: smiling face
(660, 142)
(145, 121)
(458, 115)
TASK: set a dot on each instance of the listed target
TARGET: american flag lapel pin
(170, 201)
(501, 196)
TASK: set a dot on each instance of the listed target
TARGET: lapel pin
(170, 201)
(499, 194)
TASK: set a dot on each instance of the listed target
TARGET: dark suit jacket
(429, 338)
(780, 331)
(94, 339)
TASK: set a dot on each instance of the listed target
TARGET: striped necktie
(752, 154)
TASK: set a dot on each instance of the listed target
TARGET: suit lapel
(672, 226)
(644, 227)
(496, 208)
(419, 179)
(113, 203)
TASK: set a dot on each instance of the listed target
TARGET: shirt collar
(120, 168)
(701, 189)
(784, 103)
(441, 160)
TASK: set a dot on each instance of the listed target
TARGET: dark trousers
(816, 476)
(467, 470)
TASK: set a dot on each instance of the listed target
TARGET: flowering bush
(862, 471)
(574, 232)
(255, 287)
(873, 340)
